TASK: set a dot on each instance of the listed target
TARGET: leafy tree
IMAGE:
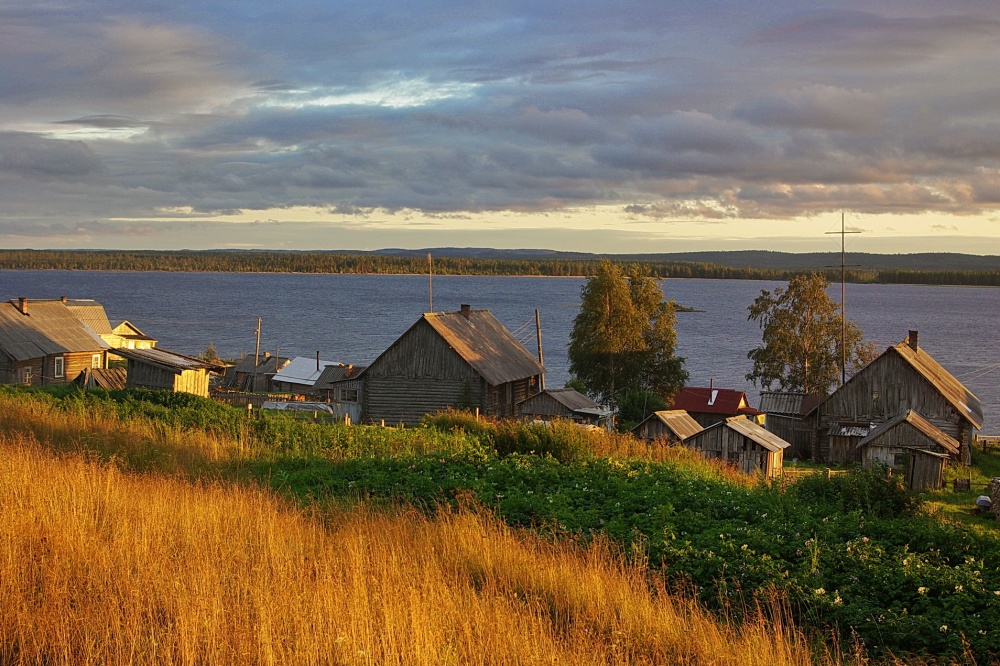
(623, 337)
(802, 333)
(635, 405)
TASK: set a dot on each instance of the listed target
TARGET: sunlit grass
(98, 566)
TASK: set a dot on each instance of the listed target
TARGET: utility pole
(430, 280)
(541, 360)
(843, 299)
(256, 354)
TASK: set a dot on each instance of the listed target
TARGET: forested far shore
(226, 261)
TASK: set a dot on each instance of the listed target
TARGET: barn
(669, 425)
(904, 377)
(742, 443)
(464, 359)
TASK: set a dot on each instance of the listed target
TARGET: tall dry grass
(98, 566)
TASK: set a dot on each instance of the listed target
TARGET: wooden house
(128, 336)
(742, 443)
(254, 375)
(298, 375)
(894, 442)
(564, 403)
(162, 370)
(42, 342)
(904, 377)
(341, 386)
(464, 359)
(710, 405)
(785, 416)
(669, 425)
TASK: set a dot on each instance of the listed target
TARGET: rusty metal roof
(962, 399)
(711, 400)
(942, 439)
(485, 344)
(168, 360)
(48, 328)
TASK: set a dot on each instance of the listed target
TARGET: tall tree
(802, 336)
(623, 337)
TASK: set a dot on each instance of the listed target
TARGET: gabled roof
(935, 434)
(749, 429)
(47, 328)
(710, 400)
(127, 329)
(788, 403)
(485, 344)
(953, 391)
(90, 312)
(334, 374)
(677, 421)
(962, 399)
(302, 370)
(268, 365)
(168, 360)
(572, 400)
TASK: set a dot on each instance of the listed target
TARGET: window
(899, 459)
(348, 395)
(95, 361)
(59, 367)
(26, 375)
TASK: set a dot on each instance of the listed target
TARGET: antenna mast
(256, 354)
(430, 281)
(843, 299)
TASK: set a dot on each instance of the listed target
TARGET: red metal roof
(711, 400)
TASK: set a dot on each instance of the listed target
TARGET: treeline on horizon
(226, 261)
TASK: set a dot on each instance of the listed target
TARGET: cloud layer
(115, 118)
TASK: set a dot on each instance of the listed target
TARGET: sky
(590, 125)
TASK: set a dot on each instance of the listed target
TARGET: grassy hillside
(853, 557)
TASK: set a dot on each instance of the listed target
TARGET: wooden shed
(564, 403)
(465, 359)
(895, 442)
(904, 377)
(341, 386)
(163, 370)
(743, 444)
(709, 405)
(785, 416)
(254, 374)
(42, 342)
(669, 425)
(298, 375)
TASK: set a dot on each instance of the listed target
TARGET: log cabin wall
(881, 391)
(420, 374)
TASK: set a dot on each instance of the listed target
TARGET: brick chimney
(22, 305)
(466, 310)
(912, 340)
(63, 299)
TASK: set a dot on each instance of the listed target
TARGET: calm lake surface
(353, 318)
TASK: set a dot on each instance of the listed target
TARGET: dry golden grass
(98, 566)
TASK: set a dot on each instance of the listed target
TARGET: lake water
(353, 318)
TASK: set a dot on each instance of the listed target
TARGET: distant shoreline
(935, 269)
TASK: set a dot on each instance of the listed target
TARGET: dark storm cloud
(689, 110)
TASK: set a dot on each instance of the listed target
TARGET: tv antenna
(843, 298)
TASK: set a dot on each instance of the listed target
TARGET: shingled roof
(485, 344)
(43, 328)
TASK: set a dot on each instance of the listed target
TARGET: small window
(95, 361)
(348, 395)
(899, 459)
(59, 367)
(26, 376)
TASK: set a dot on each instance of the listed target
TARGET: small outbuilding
(743, 444)
(785, 416)
(341, 386)
(901, 444)
(669, 425)
(163, 370)
(299, 375)
(253, 373)
(564, 403)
